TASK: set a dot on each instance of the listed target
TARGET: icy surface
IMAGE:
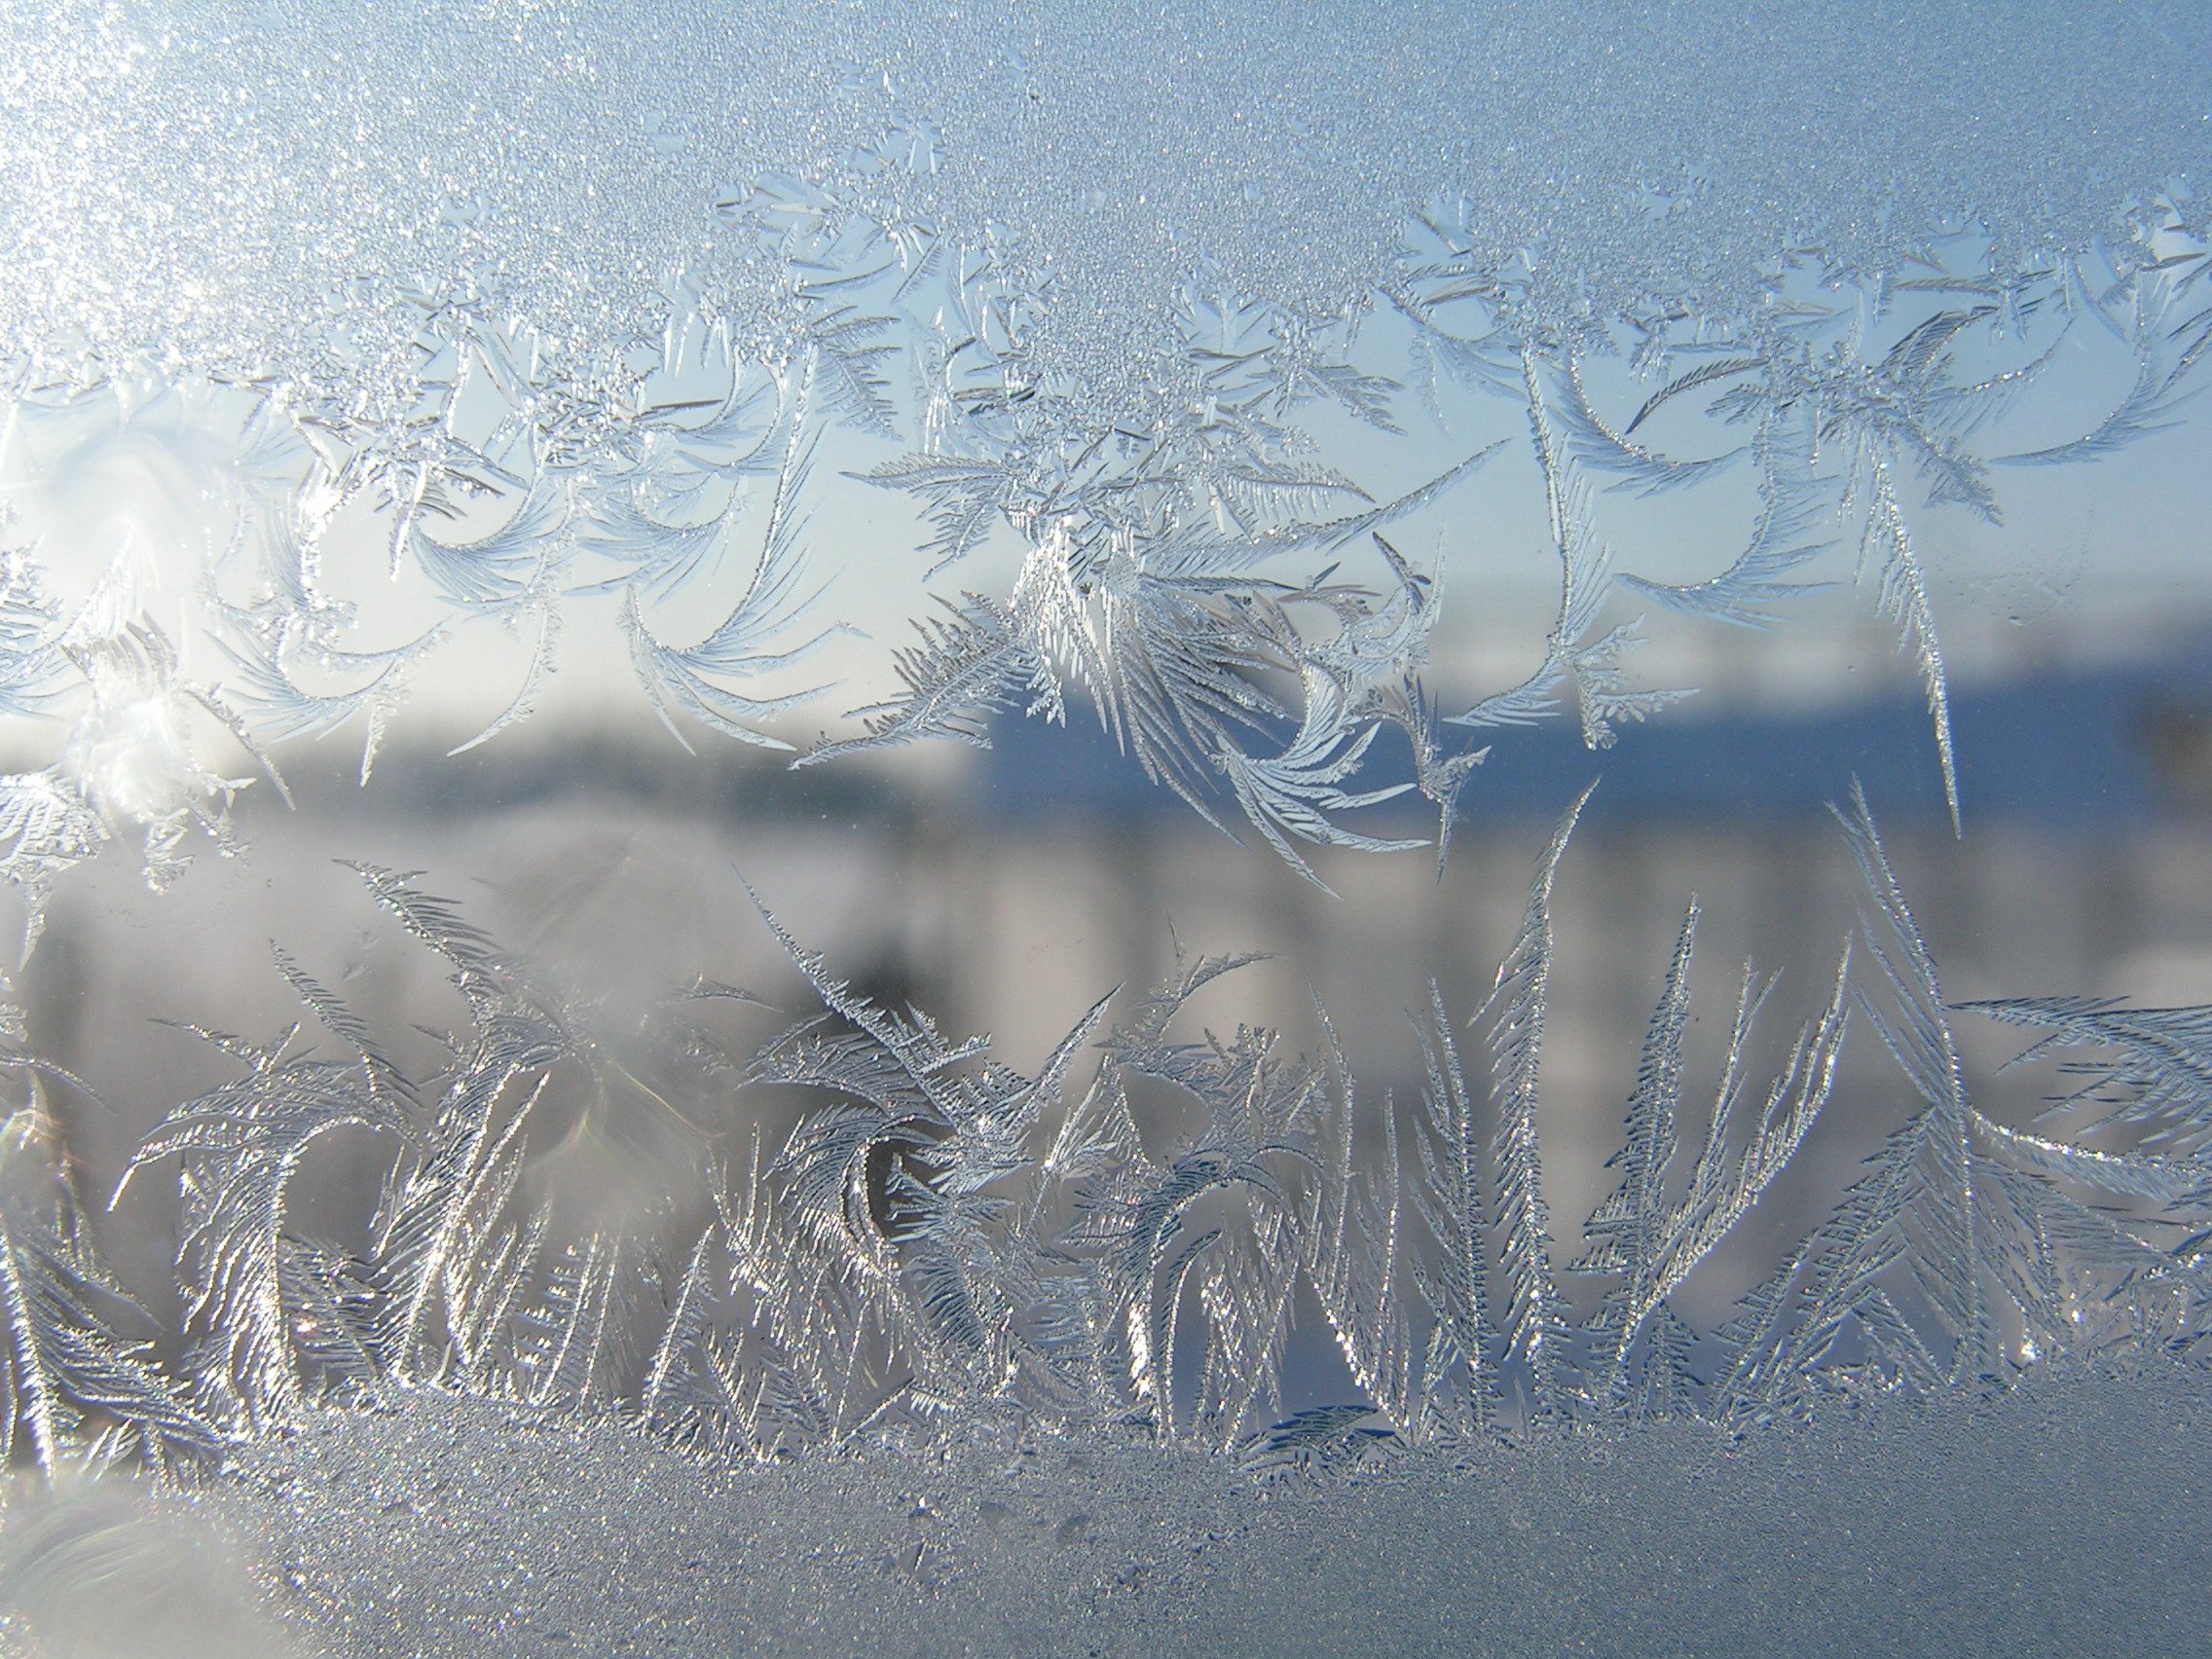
(219, 175)
(1650, 558)
(2068, 1519)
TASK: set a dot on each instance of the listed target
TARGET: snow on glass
(1218, 566)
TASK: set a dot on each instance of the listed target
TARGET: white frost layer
(229, 180)
(2068, 1518)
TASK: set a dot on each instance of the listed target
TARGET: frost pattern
(1193, 561)
(942, 1239)
(78, 1374)
(1231, 605)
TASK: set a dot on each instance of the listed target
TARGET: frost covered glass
(1033, 828)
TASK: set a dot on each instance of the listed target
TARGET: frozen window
(1542, 672)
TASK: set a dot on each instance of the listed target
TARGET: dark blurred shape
(2177, 732)
(2061, 748)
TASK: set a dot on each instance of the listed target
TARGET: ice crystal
(941, 1237)
(78, 1373)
